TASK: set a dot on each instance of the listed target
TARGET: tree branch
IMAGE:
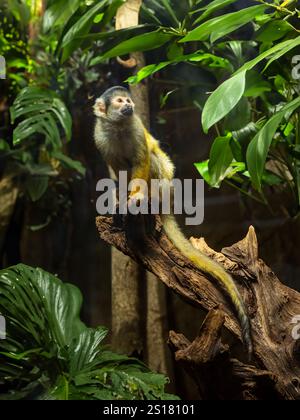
(275, 368)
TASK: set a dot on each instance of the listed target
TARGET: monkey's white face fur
(120, 108)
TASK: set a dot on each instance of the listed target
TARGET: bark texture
(130, 291)
(221, 370)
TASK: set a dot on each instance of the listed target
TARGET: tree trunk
(222, 371)
(9, 193)
(128, 279)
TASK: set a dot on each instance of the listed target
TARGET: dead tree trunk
(127, 276)
(221, 371)
(128, 279)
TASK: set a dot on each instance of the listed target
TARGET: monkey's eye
(128, 101)
(120, 100)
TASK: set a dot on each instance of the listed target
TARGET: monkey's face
(120, 108)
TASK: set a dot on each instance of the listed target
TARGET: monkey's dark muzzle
(127, 111)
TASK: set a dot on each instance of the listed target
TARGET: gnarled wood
(274, 371)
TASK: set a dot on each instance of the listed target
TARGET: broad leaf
(71, 40)
(40, 110)
(50, 354)
(259, 147)
(273, 31)
(211, 8)
(210, 60)
(221, 103)
(145, 42)
(223, 25)
(220, 159)
(59, 13)
(223, 100)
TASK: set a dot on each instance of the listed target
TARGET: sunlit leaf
(222, 25)
(223, 100)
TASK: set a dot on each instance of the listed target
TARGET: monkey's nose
(127, 111)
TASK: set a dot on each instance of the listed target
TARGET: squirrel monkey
(126, 145)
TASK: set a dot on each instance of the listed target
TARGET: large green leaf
(219, 160)
(223, 100)
(259, 147)
(145, 42)
(50, 354)
(41, 110)
(210, 60)
(211, 8)
(220, 102)
(222, 25)
(274, 30)
(59, 13)
(71, 40)
(83, 25)
(277, 51)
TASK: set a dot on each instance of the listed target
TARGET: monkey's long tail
(208, 266)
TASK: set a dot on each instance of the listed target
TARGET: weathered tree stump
(222, 371)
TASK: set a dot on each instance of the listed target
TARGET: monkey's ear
(99, 108)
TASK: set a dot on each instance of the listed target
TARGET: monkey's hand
(136, 200)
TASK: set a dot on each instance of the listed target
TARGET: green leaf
(283, 51)
(4, 146)
(210, 60)
(145, 42)
(37, 186)
(50, 354)
(259, 147)
(41, 110)
(63, 115)
(220, 26)
(59, 13)
(271, 179)
(69, 163)
(85, 349)
(238, 117)
(220, 159)
(273, 31)
(164, 98)
(221, 103)
(223, 100)
(174, 50)
(256, 85)
(211, 8)
(98, 18)
(277, 51)
(71, 40)
(83, 25)
(202, 168)
(170, 10)
(147, 71)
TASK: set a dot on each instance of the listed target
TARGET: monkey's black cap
(109, 93)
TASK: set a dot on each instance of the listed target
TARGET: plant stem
(253, 197)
